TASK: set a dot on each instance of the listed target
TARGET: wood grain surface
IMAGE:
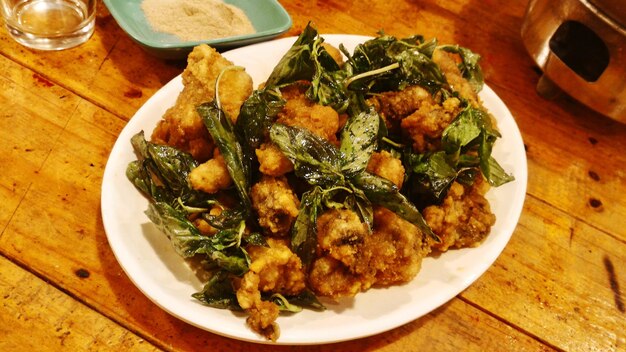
(560, 283)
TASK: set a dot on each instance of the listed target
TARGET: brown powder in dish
(193, 20)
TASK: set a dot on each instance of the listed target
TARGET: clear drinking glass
(49, 24)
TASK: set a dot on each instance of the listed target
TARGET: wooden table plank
(27, 130)
(559, 277)
(37, 317)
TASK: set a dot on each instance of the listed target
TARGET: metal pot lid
(614, 9)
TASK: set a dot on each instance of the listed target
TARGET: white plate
(148, 259)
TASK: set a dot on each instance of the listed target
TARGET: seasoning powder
(194, 20)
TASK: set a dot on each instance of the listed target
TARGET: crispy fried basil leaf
(383, 192)
(283, 304)
(464, 129)
(327, 87)
(228, 218)
(236, 263)
(218, 292)
(304, 230)
(294, 304)
(184, 236)
(418, 69)
(470, 131)
(307, 299)
(221, 129)
(257, 114)
(470, 69)
(169, 164)
(398, 46)
(138, 172)
(314, 158)
(493, 172)
(256, 239)
(435, 174)
(222, 248)
(308, 60)
(388, 64)
(358, 202)
(370, 55)
(359, 140)
(296, 64)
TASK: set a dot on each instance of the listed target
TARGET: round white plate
(149, 260)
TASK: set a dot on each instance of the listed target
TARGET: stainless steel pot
(581, 47)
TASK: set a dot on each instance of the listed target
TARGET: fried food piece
(340, 269)
(351, 260)
(397, 105)
(272, 161)
(464, 219)
(276, 205)
(386, 166)
(331, 278)
(275, 269)
(395, 248)
(448, 63)
(181, 126)
(340, 235)
(261, 314)
(299, 111)
(279, 269)
(426, 125)
(211, 176)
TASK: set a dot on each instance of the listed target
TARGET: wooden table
(560, 284)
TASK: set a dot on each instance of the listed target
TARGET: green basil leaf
(235, 263)
(359, 141)
(307, 299)
(438, 174)
(495, 174)
(228, 218)
(283, 304)
(383, 192)
(139, 174)
(295, 303)
(188, 241)
(395, 64)
(184, 236)
(463, 130)
(304, 230)
(327, 84)
(358, 202)
(170, 165)
(257, 114)
(296, 64)
(470, 69)
(221, 129)
(218, 292)
(418, 69)
(255, 239)
(314, 158)
(473, 128)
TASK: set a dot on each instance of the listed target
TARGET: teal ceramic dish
(268, 17)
